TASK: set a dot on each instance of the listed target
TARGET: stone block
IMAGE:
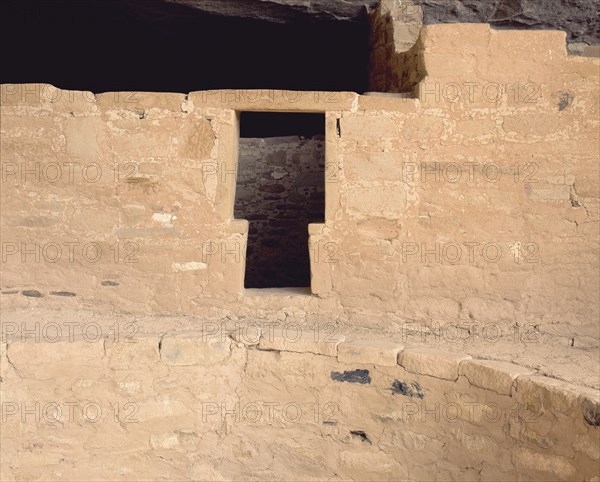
(492, 375)
(384, 353)
(45, 359)
(589, 399)
(552, 467)
(368, 127)
(549, 192)
(48, 97)
(135, 353)
(189, 349)
(140, 101)
(43, 352)
(382, 201)
(273, 100)
(248, 335)
(432, 362)
(300, 341)
(455, 38)
(392, 102)
(544, 394)
(542, 45)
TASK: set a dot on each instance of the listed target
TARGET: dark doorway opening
(280, 190)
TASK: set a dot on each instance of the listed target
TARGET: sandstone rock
(577, 17)
(354, 428)
(136, 353)
(432, 362)
(296, 339)
(283, 11)
(44, 359)
(546, 393)
(369, 352)
(492, 375)
(551, 466)
(194, 349)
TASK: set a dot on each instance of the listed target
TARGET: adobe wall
(474, 202)
(276, 405)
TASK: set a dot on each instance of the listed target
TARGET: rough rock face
(577, 17)
(282, 11)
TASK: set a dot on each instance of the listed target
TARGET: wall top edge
(41, 94)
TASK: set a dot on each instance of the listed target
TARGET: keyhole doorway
(280, 191)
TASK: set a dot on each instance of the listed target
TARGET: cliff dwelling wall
(477, 199)
(461, 203)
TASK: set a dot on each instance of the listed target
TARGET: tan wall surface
(472, 206)
(475, 201)
(272, 405)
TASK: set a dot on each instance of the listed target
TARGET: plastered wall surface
(476, 200)
(266, 405)
(470, 202)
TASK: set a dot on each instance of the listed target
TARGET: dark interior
(280, 190)
(154, 45)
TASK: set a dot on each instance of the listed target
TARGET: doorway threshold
(277, 292)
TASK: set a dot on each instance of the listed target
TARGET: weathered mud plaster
(188, 405)
(476, 200)
(468, 206)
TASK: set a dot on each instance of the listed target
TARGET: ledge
(492, 375)
(299, 342)
(214, 347)
(274, 100)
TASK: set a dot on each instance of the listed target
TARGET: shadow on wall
(106, 46)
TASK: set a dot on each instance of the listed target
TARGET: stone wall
(394, 58)
(395, 28)
(484, 183)
(473, 205)
(576, 17)
(280, 190)
(271, 404)
(475, 201)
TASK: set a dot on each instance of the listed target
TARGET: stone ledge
(33, 359)
(435, 363)
(492, 375)
(373, 352)
(298, 342)
(274, 100)
(504, 378)
(558, 396)
(47, 96)
(140, 101)
(397, 103)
